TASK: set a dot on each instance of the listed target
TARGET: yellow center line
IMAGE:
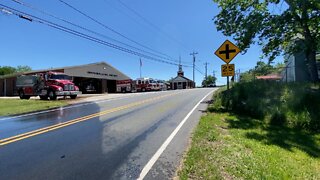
(74, 121)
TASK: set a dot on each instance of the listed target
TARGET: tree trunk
(312, 66)
(310, 53)
(311, 44)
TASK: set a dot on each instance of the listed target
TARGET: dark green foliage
(7, 70)
(23, 69)
(278, 118)
(209, 81)
(4, 70)
(294, 105)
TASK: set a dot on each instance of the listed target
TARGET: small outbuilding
(98, 77)
(181, 82)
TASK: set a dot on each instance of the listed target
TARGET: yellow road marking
(74, 121)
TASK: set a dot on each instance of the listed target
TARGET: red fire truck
(46, 85)
(146, 84)
(125, 86)
(140, 84)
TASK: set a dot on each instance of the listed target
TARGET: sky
(174, 28)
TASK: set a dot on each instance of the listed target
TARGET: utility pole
(140, 67)
(206, 76)
(194, 61)
(206, 64)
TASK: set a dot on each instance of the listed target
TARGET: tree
(262, 69)
(247, 76)
(209, 81)
(23, 68)
(4, 70)
(261, 22)
(7, 70)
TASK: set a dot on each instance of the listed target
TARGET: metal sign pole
(227, 82)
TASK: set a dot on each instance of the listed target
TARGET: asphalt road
(138, 136)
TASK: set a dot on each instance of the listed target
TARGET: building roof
(270, 77)
(61, 68)
(180, 77)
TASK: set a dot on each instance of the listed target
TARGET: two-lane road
(141, 135)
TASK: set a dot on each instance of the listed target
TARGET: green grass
(17, 106)
(227, 146)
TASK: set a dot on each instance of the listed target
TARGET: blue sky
(182, 26)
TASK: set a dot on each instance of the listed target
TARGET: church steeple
(180, 71)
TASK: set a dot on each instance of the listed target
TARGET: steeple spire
(180, 71)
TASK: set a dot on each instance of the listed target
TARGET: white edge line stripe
(156, 156)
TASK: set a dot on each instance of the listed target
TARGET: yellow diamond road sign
(227, 51)
(227, 70)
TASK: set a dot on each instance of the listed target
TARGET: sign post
(226, 52)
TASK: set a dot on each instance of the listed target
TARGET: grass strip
(227, 146)
(18, 106)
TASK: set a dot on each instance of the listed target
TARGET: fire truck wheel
(73, 96)
(52, 95)
(26, 97)
(21, 95)
(143, 90)
(43, 97)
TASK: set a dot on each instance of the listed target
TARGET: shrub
(278, 118)
(294, 104)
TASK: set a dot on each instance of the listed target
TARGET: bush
(278, 118)
(295, 105)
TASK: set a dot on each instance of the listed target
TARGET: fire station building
(98, 77)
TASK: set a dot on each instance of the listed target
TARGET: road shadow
(284, 137)
(208, 102)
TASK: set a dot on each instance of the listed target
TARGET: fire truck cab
(46, 85)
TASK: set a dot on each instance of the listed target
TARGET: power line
(114, 31)
(153, 25)
(32, 18)
(196, 68)
(83, 28)
(122, 11)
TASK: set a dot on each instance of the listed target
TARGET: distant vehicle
(162, 85)
(46, 85)
(146, 84)
(90, 88)
(124, 86)
(141, 85)
(209, 85)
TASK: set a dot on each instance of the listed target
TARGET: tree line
(5, 70)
